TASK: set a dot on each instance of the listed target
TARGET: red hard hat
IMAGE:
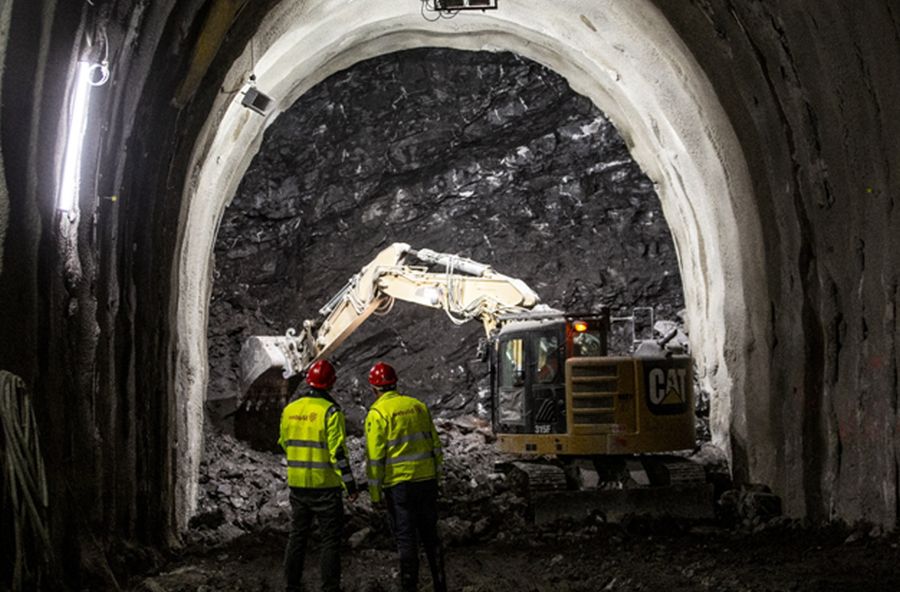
(382, 374)
(321, 375)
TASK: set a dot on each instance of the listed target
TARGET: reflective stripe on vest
(306, 444)
(410, 438)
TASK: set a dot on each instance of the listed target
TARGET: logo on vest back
(308, 417)
(413, 411)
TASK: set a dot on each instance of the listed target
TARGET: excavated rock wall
(483, 154)
(809, 87)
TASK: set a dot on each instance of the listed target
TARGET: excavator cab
(528, 370)
(556, 391)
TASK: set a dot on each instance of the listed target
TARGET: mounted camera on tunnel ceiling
(455, 5)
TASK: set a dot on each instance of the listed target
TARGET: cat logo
(313, 416)
(667, 390)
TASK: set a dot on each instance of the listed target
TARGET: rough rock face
(482, 154)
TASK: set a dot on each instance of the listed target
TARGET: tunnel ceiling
(484, 154)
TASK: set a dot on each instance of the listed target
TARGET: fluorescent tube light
(71, 176)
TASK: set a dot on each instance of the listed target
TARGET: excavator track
(537, 477)
(651, 486)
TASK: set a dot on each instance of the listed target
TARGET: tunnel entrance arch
(626, 58)
(485, 154)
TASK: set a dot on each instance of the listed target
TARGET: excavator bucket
(264, 369)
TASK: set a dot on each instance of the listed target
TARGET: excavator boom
(465, 290)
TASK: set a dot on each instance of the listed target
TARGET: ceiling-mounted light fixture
(454, 5)
(256, 100)
(447, 9)
(67, 199)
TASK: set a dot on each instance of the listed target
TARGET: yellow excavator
(555, 390)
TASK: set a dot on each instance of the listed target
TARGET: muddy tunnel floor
(610, 558)
(239, 534)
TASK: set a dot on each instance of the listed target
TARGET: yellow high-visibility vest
(313, 436)
(401, 443)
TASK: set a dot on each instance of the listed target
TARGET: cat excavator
(556, 391)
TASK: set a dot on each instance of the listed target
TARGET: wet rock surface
(483, 154)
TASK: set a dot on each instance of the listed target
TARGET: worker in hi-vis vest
(318, 471)
(404, 463)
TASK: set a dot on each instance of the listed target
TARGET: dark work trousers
(412, 507)
(327, 507)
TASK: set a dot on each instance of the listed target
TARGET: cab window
(512, 363)
(511, 379)
(546, 356)
(587, 345)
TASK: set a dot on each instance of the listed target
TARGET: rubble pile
(242, 490)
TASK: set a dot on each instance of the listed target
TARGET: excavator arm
(465, 290)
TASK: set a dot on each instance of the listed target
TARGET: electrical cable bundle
(24, 485)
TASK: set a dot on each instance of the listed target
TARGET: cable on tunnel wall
(24, 487)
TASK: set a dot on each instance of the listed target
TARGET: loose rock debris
(238, 535)
(244, 491)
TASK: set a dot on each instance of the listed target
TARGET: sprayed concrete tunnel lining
(626, 58)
